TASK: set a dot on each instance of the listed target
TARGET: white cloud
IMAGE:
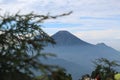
(102, 27)
(99, 34)
(1, 0)
(83, 7)
(80, 7)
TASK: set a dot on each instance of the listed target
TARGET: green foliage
(20, 48)
(117, 76)
(104, 68)
(85, 77)
(55, 75)
(42, 77)
(60, 75)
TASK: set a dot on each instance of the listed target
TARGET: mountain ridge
(82, 55)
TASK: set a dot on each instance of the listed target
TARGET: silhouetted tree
(20, 49)
(85, 77)
(104, 69)
(60, 75)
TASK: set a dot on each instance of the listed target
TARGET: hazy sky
(94, 21)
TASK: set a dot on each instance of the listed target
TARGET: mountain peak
(65, 38)
(101, 44)
(63, 31)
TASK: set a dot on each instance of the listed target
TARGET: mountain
(65, 38)
(72, 50)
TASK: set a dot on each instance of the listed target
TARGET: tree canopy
(105, 69)
(20, 48)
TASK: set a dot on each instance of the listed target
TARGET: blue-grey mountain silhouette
(65, 38)
(72, 50)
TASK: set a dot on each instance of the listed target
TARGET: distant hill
(72, 50)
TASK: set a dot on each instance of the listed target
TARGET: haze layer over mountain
(72, 50)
